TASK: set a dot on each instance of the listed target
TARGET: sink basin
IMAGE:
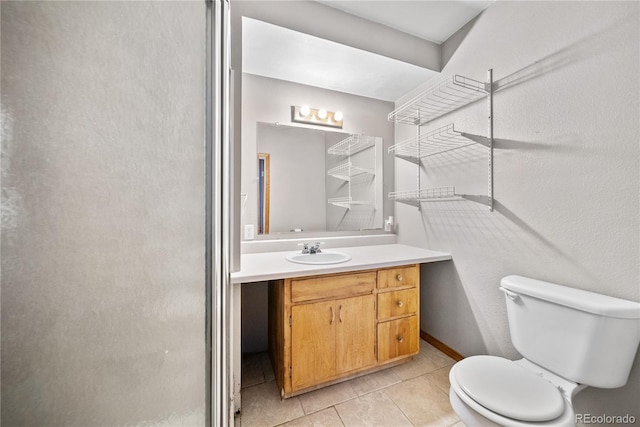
(321, 258)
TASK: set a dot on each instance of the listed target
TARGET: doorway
(263, 192)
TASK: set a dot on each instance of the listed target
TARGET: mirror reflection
(317, 180)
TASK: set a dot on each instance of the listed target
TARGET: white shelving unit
(352, 145)
(445, 97)
(346, 202)
(348, 170)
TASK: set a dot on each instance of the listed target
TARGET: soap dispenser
(388, 224)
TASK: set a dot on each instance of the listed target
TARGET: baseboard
(441, 346)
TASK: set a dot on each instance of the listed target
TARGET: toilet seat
(507, 393)
(502, 386)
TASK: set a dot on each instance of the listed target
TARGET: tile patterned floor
(412, 394)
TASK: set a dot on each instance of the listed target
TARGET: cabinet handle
(400, 338)
(333, 316)
(340, 314)
(400, 303)
(399, 277)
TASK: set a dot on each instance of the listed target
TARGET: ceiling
(435, 21)
(280, 53)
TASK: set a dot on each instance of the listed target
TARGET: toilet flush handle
(511, 295)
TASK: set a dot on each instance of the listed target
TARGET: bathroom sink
(319, 258)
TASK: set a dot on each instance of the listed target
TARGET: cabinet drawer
(400, 276)
(398, 338)
(337, 286)
(397, 303)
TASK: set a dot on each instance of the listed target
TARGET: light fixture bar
(316, 116)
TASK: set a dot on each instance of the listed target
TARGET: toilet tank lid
(575, 298)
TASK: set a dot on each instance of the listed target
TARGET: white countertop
(274, 265)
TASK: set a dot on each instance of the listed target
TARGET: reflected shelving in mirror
(358, 170)
(346, 202)
(347, 170)
(352, 145)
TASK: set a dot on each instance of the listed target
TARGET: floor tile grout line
(357, 396)
(339, 416)
(399, 408)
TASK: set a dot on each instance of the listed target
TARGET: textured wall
(566, 174)
(103, 161)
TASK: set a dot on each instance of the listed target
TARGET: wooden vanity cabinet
(324, 329)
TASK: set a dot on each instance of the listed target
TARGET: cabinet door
(313, 352)
(355, 333)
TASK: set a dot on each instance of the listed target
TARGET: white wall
(269, 100)
(103, 213)
(566, 174)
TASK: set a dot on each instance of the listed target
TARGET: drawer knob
(400, 304)
(400, 338)
(399, 277)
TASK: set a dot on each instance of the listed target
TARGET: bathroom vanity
(328, 323)
(327, 328)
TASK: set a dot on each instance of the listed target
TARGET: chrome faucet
(313, 249)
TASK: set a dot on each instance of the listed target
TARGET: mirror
(298, 181)
(265, 100)
(317, 180)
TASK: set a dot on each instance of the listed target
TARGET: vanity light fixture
(316, 116)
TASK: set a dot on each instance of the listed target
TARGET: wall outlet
(248, 232)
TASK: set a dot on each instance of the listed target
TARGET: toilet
(570, 339)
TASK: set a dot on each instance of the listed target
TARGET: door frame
(264, 192)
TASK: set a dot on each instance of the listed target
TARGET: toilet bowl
(566, 337)
(492, 391)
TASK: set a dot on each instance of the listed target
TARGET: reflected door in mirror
(263, 193)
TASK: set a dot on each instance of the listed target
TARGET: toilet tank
(582, 336)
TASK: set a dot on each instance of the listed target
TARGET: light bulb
(322, 114)
(305, 110)
(337, 116)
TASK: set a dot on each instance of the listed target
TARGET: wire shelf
(347, 170)
(424, 194)
(448, 95)
(352, 144)
(441, 194)
(345, 202)
(438, 141)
